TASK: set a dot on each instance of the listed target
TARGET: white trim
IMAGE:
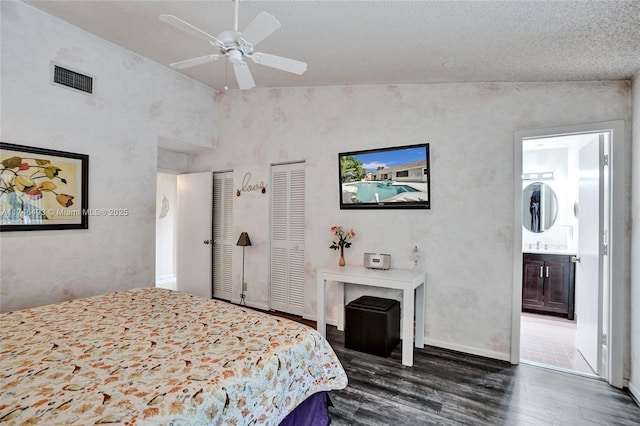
(328, 320)
(261, 306)
(467, 349)
(439, 344)
(169, 171)
(562, 370)
(516, 300)
(617, 255)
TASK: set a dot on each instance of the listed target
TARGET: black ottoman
(372, 325)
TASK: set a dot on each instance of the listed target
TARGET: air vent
(72, 79)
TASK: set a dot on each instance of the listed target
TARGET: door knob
(575, 259)
(207, 242)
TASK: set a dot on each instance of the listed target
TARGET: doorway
(558, 226)
(166, 206)
(563, 206)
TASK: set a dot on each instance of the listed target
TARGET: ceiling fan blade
(195, 61)
(284, 64)
(260, 28)
(187, 27)
(243, 75)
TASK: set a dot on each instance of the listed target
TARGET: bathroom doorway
(562, 303)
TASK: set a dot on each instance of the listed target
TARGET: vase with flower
(342, 236)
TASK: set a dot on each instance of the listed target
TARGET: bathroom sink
(550, 249)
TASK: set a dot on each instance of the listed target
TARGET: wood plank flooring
(449, 388)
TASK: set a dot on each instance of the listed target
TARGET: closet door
(287, 276)
(222, 235)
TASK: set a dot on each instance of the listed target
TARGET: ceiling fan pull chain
(226, 75)
(235, 25)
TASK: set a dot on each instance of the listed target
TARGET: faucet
(537, 245)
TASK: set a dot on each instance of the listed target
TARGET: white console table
(401, 279)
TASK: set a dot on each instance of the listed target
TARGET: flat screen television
(385, 178)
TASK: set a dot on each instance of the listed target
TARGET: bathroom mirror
(539, 207)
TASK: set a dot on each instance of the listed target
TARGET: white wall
(172, 162)
(467, 236)
(135, 102)
(634, 382)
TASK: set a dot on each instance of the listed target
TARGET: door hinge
(603, 339)
(605, 160)
(605, 250)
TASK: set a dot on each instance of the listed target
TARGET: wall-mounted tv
(387, 178)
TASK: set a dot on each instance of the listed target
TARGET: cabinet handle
(547, 271)
(540, 271)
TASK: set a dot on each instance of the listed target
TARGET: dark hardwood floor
(450, 388)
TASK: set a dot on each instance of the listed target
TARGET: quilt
(157, 356)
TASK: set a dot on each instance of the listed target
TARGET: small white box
(377, 261)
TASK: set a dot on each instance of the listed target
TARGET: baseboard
(260, 306)
(634, 391)
(440, 344)
(467, 349)
(329, 321)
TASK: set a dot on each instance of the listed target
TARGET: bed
(157, 356)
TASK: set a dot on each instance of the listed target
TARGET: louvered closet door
(222, 235)
(287, 238)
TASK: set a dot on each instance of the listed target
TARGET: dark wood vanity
(548, 284)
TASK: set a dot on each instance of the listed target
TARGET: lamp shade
(244, 240)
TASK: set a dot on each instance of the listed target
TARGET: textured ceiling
(377, 42)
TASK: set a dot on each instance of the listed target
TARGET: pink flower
(343, 237)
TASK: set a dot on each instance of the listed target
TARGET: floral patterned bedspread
(156, 356)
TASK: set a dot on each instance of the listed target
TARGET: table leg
(341, 305)
(420, 308)
(321, 306)
(407, 327)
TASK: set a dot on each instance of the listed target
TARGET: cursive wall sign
(248, 187)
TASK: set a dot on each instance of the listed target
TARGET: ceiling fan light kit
(237, 46)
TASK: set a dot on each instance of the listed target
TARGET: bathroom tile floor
(551, 341)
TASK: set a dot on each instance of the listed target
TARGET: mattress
(157, 356)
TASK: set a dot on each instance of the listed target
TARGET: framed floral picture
(42, 189)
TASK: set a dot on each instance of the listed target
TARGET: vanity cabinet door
(557, 287)
(533, 284)
(548, 284)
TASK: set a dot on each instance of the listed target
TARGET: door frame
(618, 241)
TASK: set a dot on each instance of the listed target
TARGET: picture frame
(391, 177)
(42, 189)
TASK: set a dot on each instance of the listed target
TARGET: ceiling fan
(236, 46)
